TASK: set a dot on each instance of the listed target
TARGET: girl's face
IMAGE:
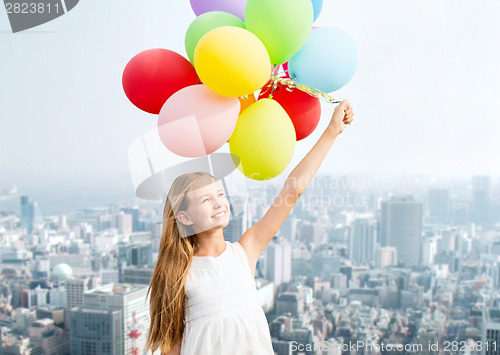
(207, 208)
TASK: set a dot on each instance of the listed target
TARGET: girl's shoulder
(234, 253)
(207, 269)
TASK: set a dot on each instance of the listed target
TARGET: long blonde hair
(177, 246)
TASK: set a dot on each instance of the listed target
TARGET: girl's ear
(183, 217)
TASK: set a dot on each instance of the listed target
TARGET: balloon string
(290, 85)
(274, 83)
(275, 69)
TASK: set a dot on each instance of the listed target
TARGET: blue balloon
(317, 6)
(327, 61)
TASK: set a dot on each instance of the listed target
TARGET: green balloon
(205, 23)
(282, 25)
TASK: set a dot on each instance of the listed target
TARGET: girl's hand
(342, 115)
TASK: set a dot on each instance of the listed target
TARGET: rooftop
(40, 323)
(117, 288)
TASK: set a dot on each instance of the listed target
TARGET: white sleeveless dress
(222, 312)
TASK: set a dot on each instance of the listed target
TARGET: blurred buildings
(359, 261)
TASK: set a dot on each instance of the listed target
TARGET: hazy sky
(425, 94)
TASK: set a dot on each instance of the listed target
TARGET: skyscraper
(123, 222)
(234, 230)
(75, 288)
(155, 236)
(401, 227)
(30, 214)
(137, 254)
(134, 211)
(362, 241)
(324, 263)
(490, 336)
(447, 242)
(138, 275)
(95, 331)
(240, 218)
(278, 262)
(288, 229)
(27, 213)
(134, 306)
(480, 199)
(429, 250)
(439, 204)
(386, 256)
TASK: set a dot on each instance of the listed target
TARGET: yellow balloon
(232, 61)
(263, 140)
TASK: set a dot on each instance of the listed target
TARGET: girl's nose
(219, 201)
(217, 204)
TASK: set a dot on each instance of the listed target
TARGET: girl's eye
(221, 194)
(204, 200)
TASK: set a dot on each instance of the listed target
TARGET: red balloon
(152, 76)
(304, 110)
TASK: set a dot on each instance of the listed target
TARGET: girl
(203, 295)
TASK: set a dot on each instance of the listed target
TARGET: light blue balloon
(317, 6)
(327, 61)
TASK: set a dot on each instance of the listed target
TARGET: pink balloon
(195, 121)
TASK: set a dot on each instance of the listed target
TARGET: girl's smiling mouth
(220, 214)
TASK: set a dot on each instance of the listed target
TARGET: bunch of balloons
(235, 49)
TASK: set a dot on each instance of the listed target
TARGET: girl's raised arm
(255, 239)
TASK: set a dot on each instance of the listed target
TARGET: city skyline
(334, 274)
(424, 96)
(50, 204)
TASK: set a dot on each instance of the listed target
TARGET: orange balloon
(246, 101)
